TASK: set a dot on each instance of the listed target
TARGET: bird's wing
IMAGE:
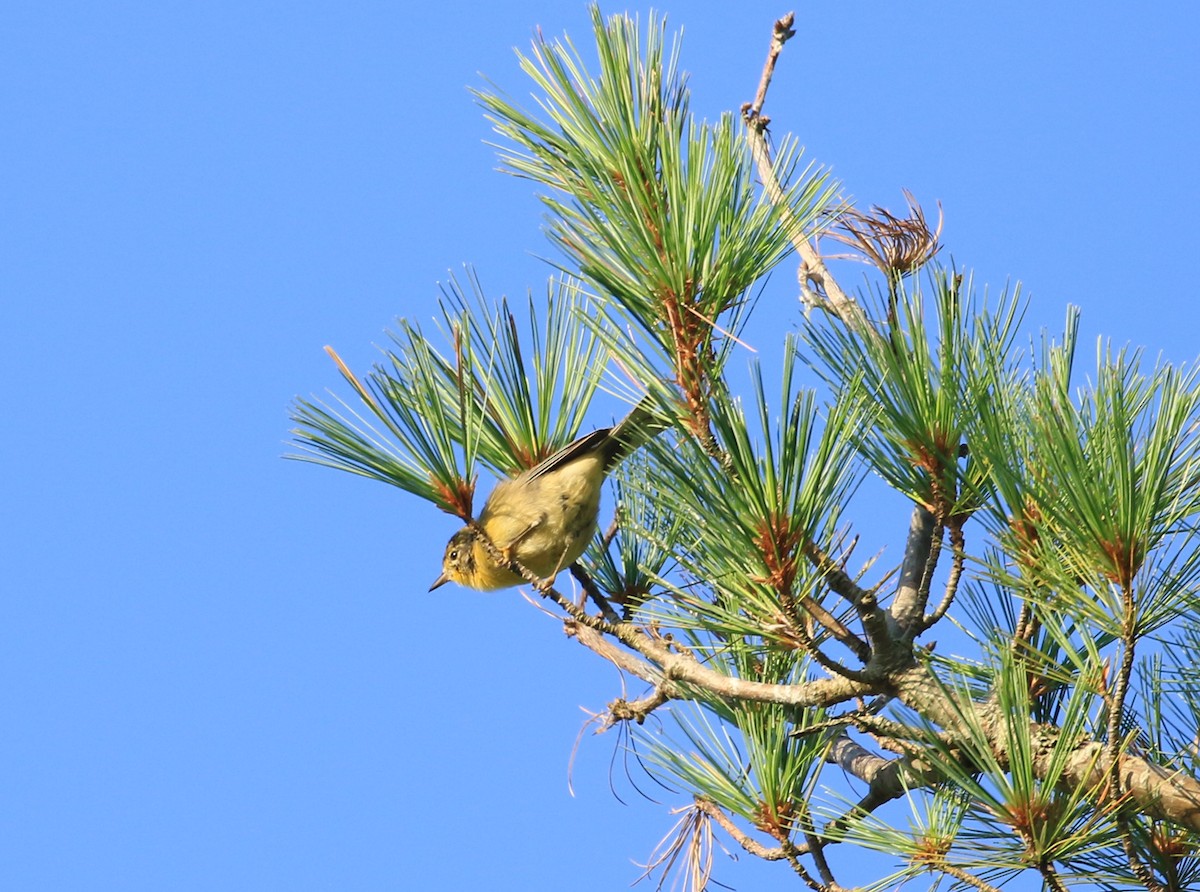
(573, 450)
(633, 431)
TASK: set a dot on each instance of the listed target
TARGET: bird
(544, 518)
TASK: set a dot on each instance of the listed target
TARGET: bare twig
(809, 879)
(827, 662)
(957, 561)
(816, 846)
(782, 33)
(836, 628)
(931, 562)
(1116, 709)
(622, 710)
(788, 851)
(751, 845)
(1136, 864)
(686, 669)
(874, 618)
(879, 727)
(589, 586)
(1027, 625)
(834, 576)
(623, 659)
(813, 270)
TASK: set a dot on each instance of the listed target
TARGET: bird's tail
(635, 430)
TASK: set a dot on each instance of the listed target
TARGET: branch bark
(671, 670)
(907, 606)
(1156, 791)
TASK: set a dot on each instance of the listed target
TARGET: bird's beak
(441, 580)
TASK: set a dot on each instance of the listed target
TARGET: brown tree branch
(688, 670)
(788, 851)
(1116, 709)
(834, 575)
(751, 845)
(816, 845)
(661, 665)
(823, 659)
(683, 667)
(836, 628)
(1155, 790)
(882, 729)
(623, 659)
(874, 618)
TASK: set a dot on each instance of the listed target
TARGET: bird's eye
(453, 554)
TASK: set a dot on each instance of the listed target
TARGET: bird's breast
(547, 521)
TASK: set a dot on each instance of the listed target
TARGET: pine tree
(791, 685)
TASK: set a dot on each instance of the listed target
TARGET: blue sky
(222, 670)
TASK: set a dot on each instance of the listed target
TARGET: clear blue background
(220, 670)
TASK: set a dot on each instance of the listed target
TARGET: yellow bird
(544, 517)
